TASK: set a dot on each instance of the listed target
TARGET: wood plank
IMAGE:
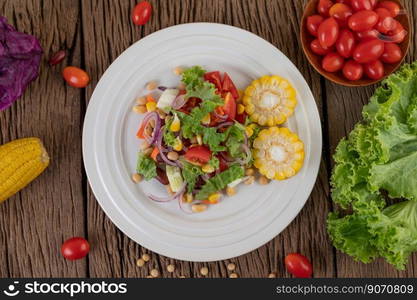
(108, 31)
(35, 222)
(345, 106)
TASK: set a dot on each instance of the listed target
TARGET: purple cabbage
(20, 56)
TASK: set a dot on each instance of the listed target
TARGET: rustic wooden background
(60, 204)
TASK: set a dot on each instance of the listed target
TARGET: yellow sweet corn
(240, 108)
(175, 125)
(249, 131)
(206, 120)
(207, 168)
(278, 153)
(214, 198)
(270, 100)
(151, 106)
(178, 144)
(21, 161)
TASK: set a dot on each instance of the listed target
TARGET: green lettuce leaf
(146, 166)
(190, 174)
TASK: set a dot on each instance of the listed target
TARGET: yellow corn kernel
(151, 106)
(240, 109)
(21, 161)
(178, 144)
(214, 198)
(207, 168)
(206, 120)
(189, 198)
(175, 125)
(249, 131)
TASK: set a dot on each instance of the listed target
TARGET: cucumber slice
(174, 178)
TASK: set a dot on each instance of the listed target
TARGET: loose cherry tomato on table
(198, 154)
(75, 248)
(229, 106)
(75, 77)
(374, 69)
(368, 51)
(353, 70)
(317, 48)
(392, 54)
(313, 23)
(341, 12)
(363, 20)
(323, 7)
(328, 32)
(358, 5)
(229, 86)
(298, 265)
(345, 43)
(332, 62)
(386, 23)
(391, 6)
(141, 13)
(367, 35)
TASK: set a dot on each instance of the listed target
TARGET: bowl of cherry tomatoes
(355, 42)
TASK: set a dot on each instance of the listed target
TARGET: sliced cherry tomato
(392, 54)
(341, 12)
(318, 49)
(75, 77)
(222, 163)
(198, 154)
(298, 265)
(241, 118)
(368, 51)
(345, 43)
(229, 106)
(323, 7)
(313, 23)
(75, 248)
(214, 78)
(332, 62)
(155, 153)
(393, 7)
(367, 35)
(374, 69)
(358, 5)
(141, 13)
(229, 86)
(363, 20)
(353, 70)
(386, 23)
(395, 36)
(328, 32)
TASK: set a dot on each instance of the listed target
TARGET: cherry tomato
(198, 154)
(363, 20)
(345, 43)
(392, 54)
(317, 48)
(358, 5)
(241, 118)
(215, 78)
(75, 77)
(313, 23)
(323, 7)
(328, 32)
(392, 7)
(386, 23)
(141, 13)
(367, 35)
(229, 86)
(343, 1)
(353, 70)
(341, 12)
(298, 265)
(332, 62)
(229, 106)
(395, 36)
(222, 163)
(374, 69)
(368, 51)
(75, 248)
(373, 3)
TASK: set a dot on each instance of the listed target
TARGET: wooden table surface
(60, 203)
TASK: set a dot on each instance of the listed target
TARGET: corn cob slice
(270, 100)
(278, 153)
(21, 161)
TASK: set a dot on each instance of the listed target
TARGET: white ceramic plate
(238, 224)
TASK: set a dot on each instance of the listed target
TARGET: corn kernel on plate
(250, 214)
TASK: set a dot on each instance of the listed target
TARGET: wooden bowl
(315, 60)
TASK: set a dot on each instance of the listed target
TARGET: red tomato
(298, 265)
(343, 1)
(222, 163)
(75, 248)
(373, 3)
(75, 77)
(229, 86)
(352, 70)
(190, 104)
(141, 13)
(391, 6)
(323, 7)
(367, 35)
(363, 20)
(229, 106)
(341, 12)
(358, 5)
(198, 154)
(214, 78)
(374, 70)
(332, 62)
(328, 32)
(368, 51)
(395, 36)
(392, 54)
(386, 23)
(241, 118)
(313, 23)
(317, 48)
(345, 43)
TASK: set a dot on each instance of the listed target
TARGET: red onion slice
(169, 198)
(221, 117)
(148, 117)
(162, 150)
(179, 102)
(225, 124)
(248, 155)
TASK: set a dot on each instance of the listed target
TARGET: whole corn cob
(21, 161)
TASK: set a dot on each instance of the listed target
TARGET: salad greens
(378, 157)
(146, 166)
